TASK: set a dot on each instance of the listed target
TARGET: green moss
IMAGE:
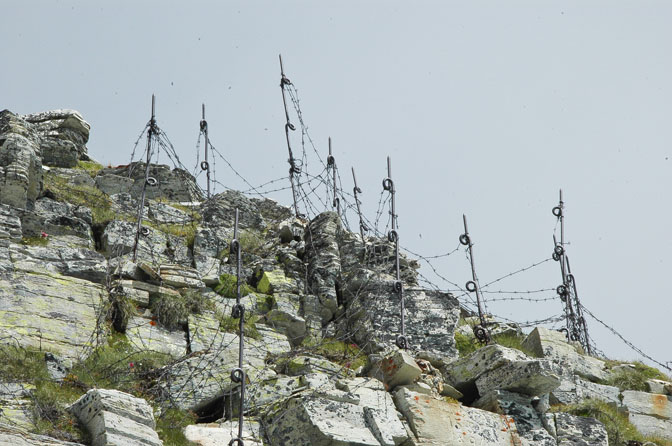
(227, 286)
(22, 365)
(35, 241)
(232, 325)
(619, 429)
(466, 344)
(170, 426)
(171, 311)
(342, 353)
(186, 230)
(91, 167)
(633, 378)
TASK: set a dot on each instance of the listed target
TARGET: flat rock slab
(552, 344)
(335, 418)
(532, 377)
(145, 335)
(15, 436)
(221, 435)
(16, 404)
(437, 423)
(650, 413)
(52, 312)
(116, 418)
(574, 389)
(464, 372)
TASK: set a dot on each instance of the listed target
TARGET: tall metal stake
(576, 327)
(238, 312)
(331, 163)
(293, 169)
(480, 330)
(205, 165)
(356, 190)
(393, 236)
(148, 182)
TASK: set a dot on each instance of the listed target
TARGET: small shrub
(120, 311)
(227, 286)
(50, 416)
(18, 364)
(170, 426)
(172, 312)
(251, 242)
(196, 301)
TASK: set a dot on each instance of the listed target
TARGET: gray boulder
(15, 436)
(115, 418)
(63, 136)
(20, 162)
(572, 430)
(176, 185)
(220, 211)
(650, 413)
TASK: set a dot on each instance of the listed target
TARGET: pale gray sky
(487, 108)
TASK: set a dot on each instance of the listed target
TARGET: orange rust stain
(427, 401)
(458, 414)
(417, 398)
(464, 433)
(659, 404)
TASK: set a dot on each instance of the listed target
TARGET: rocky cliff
(98, 348)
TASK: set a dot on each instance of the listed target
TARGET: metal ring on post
(364, 227)
(144, 231)
(234, 246)
(481, 334)
(465, 240)
(204, 124)
(151, 181)
(331, 160)
(561, 290)
(336, 202)
(290, 126)
(398, 286)
(570, 278)
(285, 81)
(402, 342)
(559, 250)
(357, 190)
(237, 441)
(205, 165)
(237, 375)
(238, 311)
(557, 211)
(555, 257)
(393, 236)
(564, 330)
(471, 286)
(388, 184)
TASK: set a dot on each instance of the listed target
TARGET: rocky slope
(99, 349)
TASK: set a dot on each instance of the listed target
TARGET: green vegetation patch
(633, 378)
(466, 344)
(342, 353)
(91, 167)
(35, 241)
(230, 324)
(227, 287)
(80, 195)
(170, 426)
(251, 242)
(619, 429)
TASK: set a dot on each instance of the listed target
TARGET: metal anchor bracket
(480, 331)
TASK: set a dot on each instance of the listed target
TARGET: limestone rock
(529, 422)
(552, 345)
(116, 418)
(210, 247)
(52, 313)
(579, 431)
(323, 259)
(336, 417)
(179, 276)
(16, 436)
(16, 405)
(574, 389)
(650, 413)
(285, 317)
(220, 211)
(659, 386)
(20, 162)
(63, 136)
(276, 282)
(437, 422)
(400, 369)
(222, 434)
(64, 218)
(113, 184)
(533, 377)
(163, 213)
(302, 365)
(154, 247)
(261, 395)
(291, 229)
(145, 335)
(75, 262)
(270, 210)
(175, 185)
(464, 372)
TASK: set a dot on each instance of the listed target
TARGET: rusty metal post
(356, 190)
(473, 286)
(238, 375)
(205, 165)
(150, 135)
(331, 163)
(289, 126)
(393, 236)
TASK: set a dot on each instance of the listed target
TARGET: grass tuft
(91, 167)
(227, 287)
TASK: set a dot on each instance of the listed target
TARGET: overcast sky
(486, 108)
